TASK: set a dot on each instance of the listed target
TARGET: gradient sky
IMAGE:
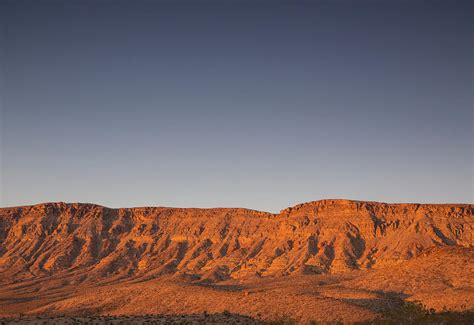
(258, 104)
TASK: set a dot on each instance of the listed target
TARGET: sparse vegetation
(414, 312)
(188, 319)
(406, 312)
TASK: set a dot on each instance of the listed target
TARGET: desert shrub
(414, 312)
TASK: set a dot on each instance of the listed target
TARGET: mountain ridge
(214, 244)
(321, 201)
(323, 259)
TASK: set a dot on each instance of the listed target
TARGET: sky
(257, 104)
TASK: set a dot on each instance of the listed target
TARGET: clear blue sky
(258, 104)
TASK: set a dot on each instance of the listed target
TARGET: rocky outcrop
(93, 242)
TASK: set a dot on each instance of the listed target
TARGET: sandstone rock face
(93, 242)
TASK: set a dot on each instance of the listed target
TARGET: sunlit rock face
(91, 242)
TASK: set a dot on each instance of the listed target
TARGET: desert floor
(441, 280)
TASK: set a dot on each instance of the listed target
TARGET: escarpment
(92, 242)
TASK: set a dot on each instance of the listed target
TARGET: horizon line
(328, 200)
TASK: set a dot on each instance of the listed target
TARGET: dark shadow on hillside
(222, 287)
(395, 309)
(382, 301)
